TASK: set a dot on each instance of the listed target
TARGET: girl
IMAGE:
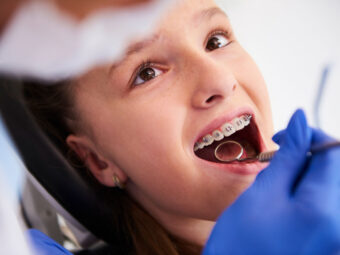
(147, 126)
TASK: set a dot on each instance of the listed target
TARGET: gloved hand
(44, 245)
(293, 207)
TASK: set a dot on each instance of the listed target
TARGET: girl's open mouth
(242, 130)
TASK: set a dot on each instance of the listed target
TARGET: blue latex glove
(44, 245)
(293, 207)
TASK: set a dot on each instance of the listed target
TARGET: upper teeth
(227, 129)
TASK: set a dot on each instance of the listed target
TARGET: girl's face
(141, 117)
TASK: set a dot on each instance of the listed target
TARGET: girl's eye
(146, 74)
(217, 41)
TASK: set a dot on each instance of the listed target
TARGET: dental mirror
(229, 151)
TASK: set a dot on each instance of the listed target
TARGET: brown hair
(135, 230)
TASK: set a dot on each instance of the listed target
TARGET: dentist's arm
(293, 207)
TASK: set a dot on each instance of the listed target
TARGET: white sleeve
(41, 41)
(12, 238)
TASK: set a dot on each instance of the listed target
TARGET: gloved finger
(290, 159)
(277, 138)
(297, 135)
(321, 182)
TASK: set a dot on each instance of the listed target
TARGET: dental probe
(268, 155)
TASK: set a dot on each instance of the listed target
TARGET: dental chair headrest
(47, 166)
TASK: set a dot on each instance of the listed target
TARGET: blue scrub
(45, 245)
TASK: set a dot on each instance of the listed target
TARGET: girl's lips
(236, 168)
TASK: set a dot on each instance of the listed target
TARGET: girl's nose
(213, 84)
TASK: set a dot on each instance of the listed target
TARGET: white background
(292, 41)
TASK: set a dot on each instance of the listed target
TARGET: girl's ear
(102, 169)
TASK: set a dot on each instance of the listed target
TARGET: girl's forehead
(190, 10)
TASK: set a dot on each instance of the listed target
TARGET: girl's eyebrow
(207, 14)
(138, 46)
(134, 49)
